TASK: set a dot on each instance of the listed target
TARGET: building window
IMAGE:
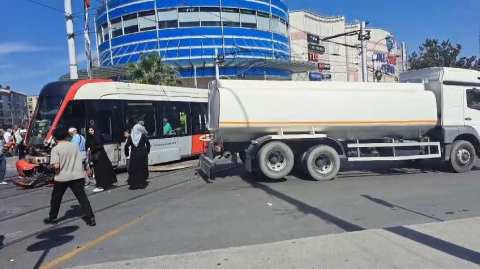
(210, 16)
(116, 27)
(248, 18)
(188, 17)
(263, 21)
(136, 112)
(105, 34)
(167, 18)
(275, 24)
(174, 119)
(283, 27)
(146, 20)
(231, 17)
(130, 23)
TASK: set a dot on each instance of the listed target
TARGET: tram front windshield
(48, 107)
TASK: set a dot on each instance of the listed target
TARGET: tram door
(106, 116)
(174, 128)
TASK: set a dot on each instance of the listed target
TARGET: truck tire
(275, 160)
(462, 156)
(322, 163)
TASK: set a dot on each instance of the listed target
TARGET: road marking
(95, 242)
(108, 235)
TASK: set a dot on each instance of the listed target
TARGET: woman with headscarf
(102, 167)
(139, 149)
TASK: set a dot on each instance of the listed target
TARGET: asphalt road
(180, 213)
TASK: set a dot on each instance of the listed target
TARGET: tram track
(24, 192)
(70, 220)
(74, 199)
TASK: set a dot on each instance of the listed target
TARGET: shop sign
(313, 57)
(313, 39)
(316, 48)
(323, 66)
(315, 76)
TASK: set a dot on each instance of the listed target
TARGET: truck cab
(457, 92)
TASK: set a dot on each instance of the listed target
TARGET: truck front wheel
(322, 163)
(275, 160)
(462, 156)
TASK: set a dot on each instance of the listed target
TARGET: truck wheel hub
(276, 161)
(463, 156)
(323, 164)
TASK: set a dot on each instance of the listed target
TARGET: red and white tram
(115, 107)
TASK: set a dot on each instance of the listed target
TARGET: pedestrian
(80, 141)
(21, 145)
(102, 167)
(138, 167)
(67, 161)
(127, 135)
(7, 137)
(3, 161)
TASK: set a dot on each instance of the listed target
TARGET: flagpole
(88, 52)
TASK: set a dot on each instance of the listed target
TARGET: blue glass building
(251, 34)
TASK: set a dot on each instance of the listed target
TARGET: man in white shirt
(67, 161)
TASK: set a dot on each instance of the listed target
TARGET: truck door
(472, 108)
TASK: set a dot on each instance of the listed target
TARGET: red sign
(392, 59)
(314, 57)
(323, 66)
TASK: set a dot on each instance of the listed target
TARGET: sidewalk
(452, 244)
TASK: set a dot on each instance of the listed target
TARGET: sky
(33, 41)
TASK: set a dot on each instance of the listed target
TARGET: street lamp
(390, 45)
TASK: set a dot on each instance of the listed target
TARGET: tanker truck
(273, 125)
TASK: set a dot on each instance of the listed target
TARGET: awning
(112, 72)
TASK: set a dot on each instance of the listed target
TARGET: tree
(151, 70)
(432, 53)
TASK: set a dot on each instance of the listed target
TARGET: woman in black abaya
(102, 167)
(139, 150)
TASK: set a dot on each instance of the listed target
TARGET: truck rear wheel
(322, 163)
(275, 160)
(462, 156)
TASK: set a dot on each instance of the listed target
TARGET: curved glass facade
(186, 34)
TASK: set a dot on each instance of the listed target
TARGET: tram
(114, 107)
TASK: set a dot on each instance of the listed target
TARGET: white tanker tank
(272, 125)
(244, 110)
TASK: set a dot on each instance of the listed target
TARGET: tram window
(199, 120)
(101, 114)
(136, 112)
(74, 116)
(174, 119)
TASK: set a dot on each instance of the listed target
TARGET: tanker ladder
(396, 151)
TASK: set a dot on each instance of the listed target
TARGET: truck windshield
(48, 107)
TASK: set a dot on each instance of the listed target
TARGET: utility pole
(363, 39)
(71, 40)
(404, 57)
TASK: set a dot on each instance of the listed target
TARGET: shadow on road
(393, 207)
(303, 207)
(73, 212)
(436, 243)
(51, 239)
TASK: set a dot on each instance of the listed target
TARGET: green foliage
(432, 53)
(151, 70)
